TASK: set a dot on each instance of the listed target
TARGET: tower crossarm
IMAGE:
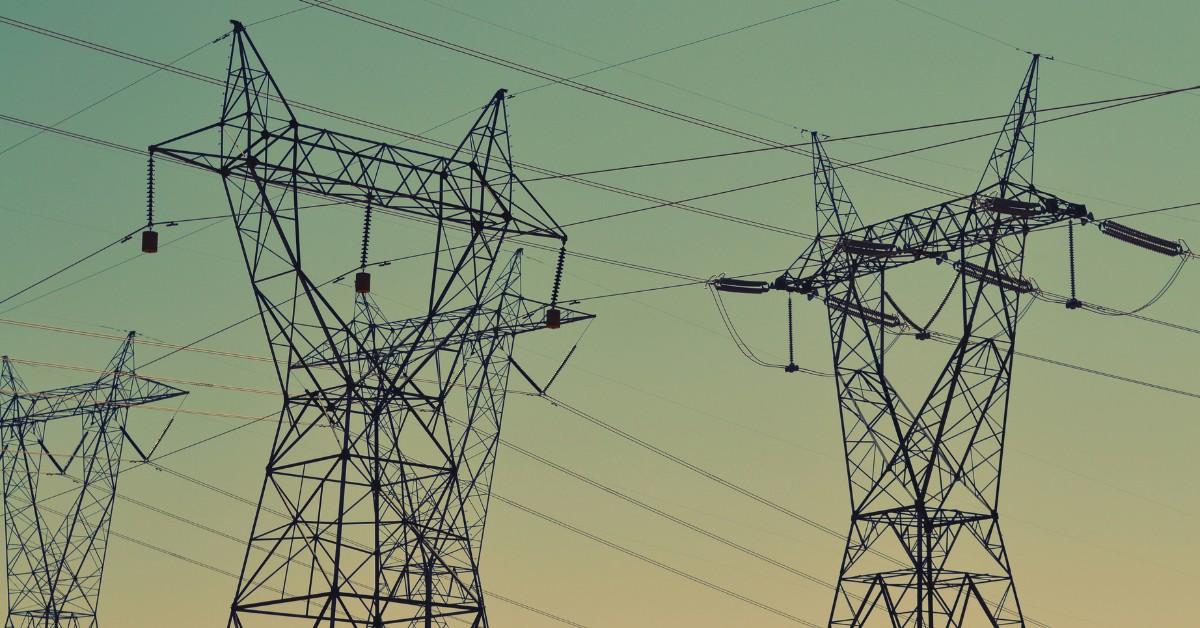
(72, 401)
(445, 330)
(286, 154)
(931, 233)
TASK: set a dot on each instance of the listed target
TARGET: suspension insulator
(553, 318)
(868, 248)
(1141, 239)
(149, 241)
(362, 282)
(858, 311)
(726, 284)
(1007, 282)
(1010, 206)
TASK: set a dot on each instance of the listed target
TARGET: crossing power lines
(680, 279)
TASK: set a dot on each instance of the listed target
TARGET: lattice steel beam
(382, 462)
(66, 443)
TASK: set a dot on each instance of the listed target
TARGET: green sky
(1097, 508)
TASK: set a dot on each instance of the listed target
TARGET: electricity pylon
(376, 490)
(55, 558)
(924, 547)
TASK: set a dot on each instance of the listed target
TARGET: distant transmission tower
(376, 490)
(924, 547)
(55, 558)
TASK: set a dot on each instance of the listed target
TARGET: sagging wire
(741, 344)
(923, 332)
(120, 240)
(544, 389)
(733, 333)
(1109, 311)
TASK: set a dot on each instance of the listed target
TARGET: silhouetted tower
(376, 490)
(924, 547)
(55, 558)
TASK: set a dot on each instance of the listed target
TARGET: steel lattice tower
(376, 490)
(924, 546)
(55, 559)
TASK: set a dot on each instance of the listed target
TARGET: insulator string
(366, 236)
(150, 190)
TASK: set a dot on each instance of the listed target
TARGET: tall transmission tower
(55, 558)
(924, 546)
(376, 491)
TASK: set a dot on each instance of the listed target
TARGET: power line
(1154, 211)
(99, 272)
(605, 65)
(553, 401)
(127, 86)
(155, 463)
(690, 282)
(167, 380)
(124, 238)
(683, 275)
(646, 559)
(210, 567)
(901, 153)
(1013, 46)
(108, 96)
(662, 453)
(683, 45)
(368, 124)
(922, 127)
(127, 56)
(935, 16)
(517, 505)
(546, 173)
(663, 111)
(574, 529)
(663, 514)
(579, 254)
(558, 402)
(694, 280)
(621, 65)
(508, 444)
(712, 476)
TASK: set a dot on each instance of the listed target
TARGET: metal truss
(55, 558)
(924, 546)
(376, 491)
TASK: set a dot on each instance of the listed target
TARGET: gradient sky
(1098, 511)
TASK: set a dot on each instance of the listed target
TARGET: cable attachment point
(554, 315)
(150, 236)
